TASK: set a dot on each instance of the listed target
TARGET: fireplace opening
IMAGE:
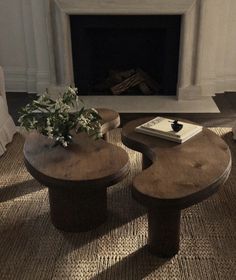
(125, 55)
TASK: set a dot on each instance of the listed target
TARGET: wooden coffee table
(77, 177)
(175, 176)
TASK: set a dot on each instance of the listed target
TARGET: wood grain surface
(110, 119)
(85, 162)
(180, 174)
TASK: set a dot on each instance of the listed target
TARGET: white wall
(223, 26)
(12, 43)
(216, 47)
(24, 50)
(27, 57)
(230, 53)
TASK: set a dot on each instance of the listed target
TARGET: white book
(161, 127)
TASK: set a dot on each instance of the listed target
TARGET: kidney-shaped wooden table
(77, 177)
(175, 176)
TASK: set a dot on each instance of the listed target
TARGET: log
(127, 83)
(152, 84)
(120, 81)
(144, 88)
(114, 77)
(127, 73)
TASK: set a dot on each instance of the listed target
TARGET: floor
(226, 103)
(33, 249)
(116, 250)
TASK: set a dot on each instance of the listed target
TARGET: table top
(110, 119)
(180, 174)
(86, 162)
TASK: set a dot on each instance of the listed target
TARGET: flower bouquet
(57, 119)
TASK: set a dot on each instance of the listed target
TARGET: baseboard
(15, 79)
(189, 93)
(208, 88)
(20, 79)
(196, 91)
(227, 84)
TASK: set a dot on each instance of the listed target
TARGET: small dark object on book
(176, 126)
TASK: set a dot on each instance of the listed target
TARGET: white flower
(21, 119)
(60, 105)
(73, 91)
(83, 121)
(33, 123)
(49, 129)
(57, 118)
(94, 110)
(61, 139)
(50, 132)
(43, 99)
(64, 144)
(48, 122)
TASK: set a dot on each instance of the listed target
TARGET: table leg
(77, 209)
(105, 136)
(146, 162)
(163, 231)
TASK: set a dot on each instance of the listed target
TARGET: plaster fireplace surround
(196, 76)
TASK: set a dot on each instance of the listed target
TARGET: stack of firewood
(122, 81)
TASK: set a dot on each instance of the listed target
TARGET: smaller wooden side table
(175, 176)
(77, 177)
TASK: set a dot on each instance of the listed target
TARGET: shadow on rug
(31, 248)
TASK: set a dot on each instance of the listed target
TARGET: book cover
(161, 127)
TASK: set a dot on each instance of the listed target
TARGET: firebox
(125, 55)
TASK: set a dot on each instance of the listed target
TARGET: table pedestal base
(163, 231)
(146, 162)
(77, 209)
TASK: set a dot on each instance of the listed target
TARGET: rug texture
(31, 248)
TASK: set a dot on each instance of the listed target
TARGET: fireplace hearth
(125, 55)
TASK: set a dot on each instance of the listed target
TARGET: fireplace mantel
(195, 75)
(124, 6)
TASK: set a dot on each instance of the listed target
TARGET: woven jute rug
(31, 248)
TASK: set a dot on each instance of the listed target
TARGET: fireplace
(125, 55)
(199, 43)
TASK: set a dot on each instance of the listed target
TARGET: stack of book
(162, 128)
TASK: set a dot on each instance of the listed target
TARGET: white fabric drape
(7, 126)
